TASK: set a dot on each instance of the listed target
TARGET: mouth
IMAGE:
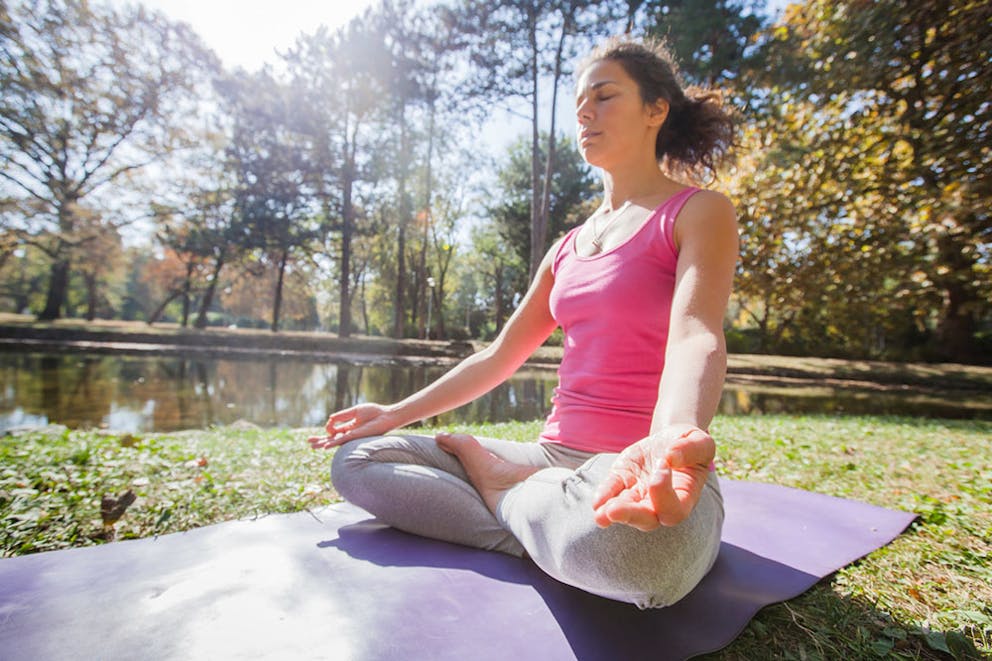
(586, 135)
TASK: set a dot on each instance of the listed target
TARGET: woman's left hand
(656, 481)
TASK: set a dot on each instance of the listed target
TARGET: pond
(141, 393)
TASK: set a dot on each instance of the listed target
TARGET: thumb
(693, 447)
(668, 506)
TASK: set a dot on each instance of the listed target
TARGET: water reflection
(165, 394)
(132, 393)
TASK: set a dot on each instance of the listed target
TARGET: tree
(496, 268)
(339, 79)
(271, 196)
(710, 37)
(571, 193)
(164, 280)
(917, 73)
(423, 71)
(22, 277)
(97, 266)
(516, 44)
(406, 43)
(83, 108)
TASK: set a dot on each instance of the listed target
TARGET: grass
(928, 595)
(52, 481)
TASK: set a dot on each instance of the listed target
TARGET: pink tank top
(614, 309)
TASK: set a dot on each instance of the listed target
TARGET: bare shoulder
(708, 206)
(708, 213)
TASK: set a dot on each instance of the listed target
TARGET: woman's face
(613, 122)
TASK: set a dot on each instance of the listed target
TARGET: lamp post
(430, 304)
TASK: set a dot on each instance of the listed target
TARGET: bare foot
(490, 475)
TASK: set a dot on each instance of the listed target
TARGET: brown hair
(698, 132)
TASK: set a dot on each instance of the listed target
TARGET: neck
(621, 186)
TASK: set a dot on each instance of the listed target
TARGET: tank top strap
(669, 211)
(563, 248)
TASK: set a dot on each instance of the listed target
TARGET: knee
(648, 569)
(348, 460)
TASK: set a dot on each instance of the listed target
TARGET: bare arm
(696, 355)
(528, 327)
(658, 480)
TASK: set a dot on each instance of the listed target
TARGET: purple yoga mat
(336, 584)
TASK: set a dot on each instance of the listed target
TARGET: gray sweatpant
(410, 483)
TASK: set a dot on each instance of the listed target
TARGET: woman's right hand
(359, 421)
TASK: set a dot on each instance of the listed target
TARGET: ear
(658, 112)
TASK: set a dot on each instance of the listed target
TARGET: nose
(583, 111)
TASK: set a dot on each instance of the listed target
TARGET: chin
(590, 156)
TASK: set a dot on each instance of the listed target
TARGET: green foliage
(573, 189)
(710, 37)
(22, 276)
(867, 181)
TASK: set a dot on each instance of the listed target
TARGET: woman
(619, 497)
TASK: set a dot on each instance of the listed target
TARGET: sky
(249, 33)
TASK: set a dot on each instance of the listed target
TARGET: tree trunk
(539, 236)
(186, 289)
(428, 196)
(365, 310)
(535, 202)
(500, 313)
(91, 296)
(344, 284)
(404, 212)
(208, 295)
(277, 302)
(956, 328)
(58, 285)
(153, 317)
(399, 303)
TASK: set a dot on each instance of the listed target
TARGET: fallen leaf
(112, 509)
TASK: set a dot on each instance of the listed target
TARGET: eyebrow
(595, 86)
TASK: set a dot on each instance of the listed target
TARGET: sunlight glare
(251, 33)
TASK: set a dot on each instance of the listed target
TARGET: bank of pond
(167, 393)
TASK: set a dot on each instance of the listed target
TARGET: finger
(609, 488)
(331, 440)
(622, 475)
(638, 515)
(670, 505)
(341, 418)
(322, 442)
(335, 425)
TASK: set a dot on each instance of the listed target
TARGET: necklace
(597, 235)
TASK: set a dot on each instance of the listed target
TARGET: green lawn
(927, 595)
